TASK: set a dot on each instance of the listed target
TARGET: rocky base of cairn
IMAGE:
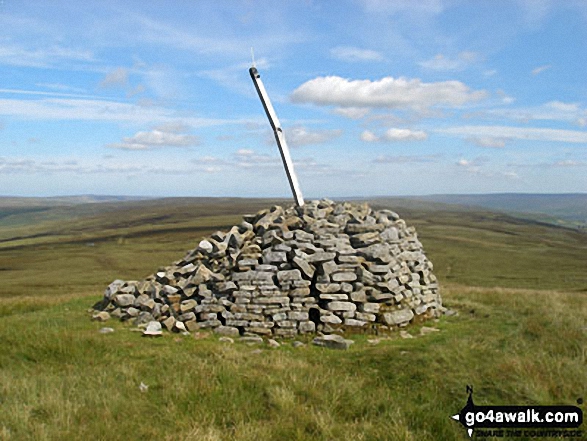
(324, 267)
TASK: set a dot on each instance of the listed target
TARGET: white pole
(279, 137)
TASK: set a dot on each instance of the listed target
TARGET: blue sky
(375, 97)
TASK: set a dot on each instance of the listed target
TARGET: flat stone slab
(332, 341)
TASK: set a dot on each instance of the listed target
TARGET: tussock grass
(61, 379)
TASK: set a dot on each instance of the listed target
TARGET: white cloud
(488, 141)
(107, 165)
(541, 69)
(98, 110)
(551, 111)
(115, 78)
(490, 72)
(41, 57)
(406, 159)
(353, 54)
(299, 136)
(563, 107)
(571, 163)
(232, 76)
(395, 135)
(442, 63)
(477, 167)
(369, 136)
(504, 97)
(385, 93)
(351, 112)
(525, 133)
(156, 138)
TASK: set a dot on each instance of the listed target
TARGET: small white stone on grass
(106, 330)
(273, 343)
(143, 387)
(405, 334)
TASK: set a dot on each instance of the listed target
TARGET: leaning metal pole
(279, 137)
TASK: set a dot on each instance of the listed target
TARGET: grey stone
(124, 299)
(205, 247)
(133, 312)
(273, 343)
(333, 341)
(344, 277)
(101, 316)
(320, 257)
(227, 330)
(251, 339)
(169, 323)
(365, 316)
(372, 308)
(341, 306)
(106, 330)
(330, 319)
(354, 322)
(306, 327)
(327, 288)
(398, 317)
(153, 329)
(288, 275)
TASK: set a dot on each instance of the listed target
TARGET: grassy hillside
(519, 288)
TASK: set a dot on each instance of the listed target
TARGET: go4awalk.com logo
(527, 421)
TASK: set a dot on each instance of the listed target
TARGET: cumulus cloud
(117, 77)
(299, 136)
(353, 54)
(163, 136)
(541, 69)
(442, 63)
(525, 133)
(395, 135)
(388, 92)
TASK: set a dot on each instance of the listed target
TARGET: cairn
(324, 266)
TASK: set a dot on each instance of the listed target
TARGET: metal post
(279, 137)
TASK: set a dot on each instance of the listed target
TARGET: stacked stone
(282, 272)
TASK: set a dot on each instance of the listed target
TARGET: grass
(60, 379)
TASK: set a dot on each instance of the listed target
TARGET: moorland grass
(60, 379)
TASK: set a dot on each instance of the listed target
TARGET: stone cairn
(322, 267)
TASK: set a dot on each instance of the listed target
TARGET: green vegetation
(519, 288)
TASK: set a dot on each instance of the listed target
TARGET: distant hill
(570, 207)
(56, 201)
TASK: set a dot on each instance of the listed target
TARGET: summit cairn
(323, 266)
